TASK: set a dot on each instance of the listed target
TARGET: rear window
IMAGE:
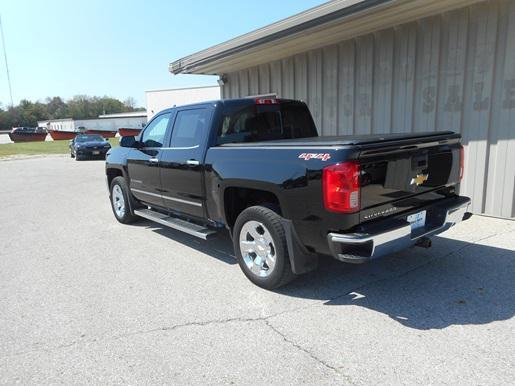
(254, 123)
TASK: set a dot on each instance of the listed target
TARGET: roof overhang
(327, 24)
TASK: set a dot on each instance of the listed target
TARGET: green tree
(28, 113)
(56, 108)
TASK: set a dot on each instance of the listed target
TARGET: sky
(119, 48)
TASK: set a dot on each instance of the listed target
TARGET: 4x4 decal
(320, 156)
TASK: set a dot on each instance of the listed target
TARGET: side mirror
(128, 142)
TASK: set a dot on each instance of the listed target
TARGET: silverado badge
(419, 179)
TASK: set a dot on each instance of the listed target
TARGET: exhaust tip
(424, 242)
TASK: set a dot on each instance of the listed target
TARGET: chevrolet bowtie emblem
(419, 179)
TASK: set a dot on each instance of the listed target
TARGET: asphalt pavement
(84, 299)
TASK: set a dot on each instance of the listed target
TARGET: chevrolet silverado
(258, 168)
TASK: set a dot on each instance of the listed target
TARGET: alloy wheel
(118, 201)
(257, 248)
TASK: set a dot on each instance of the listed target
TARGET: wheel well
(238, 199)
(111, 174)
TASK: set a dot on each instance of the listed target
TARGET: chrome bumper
(360, 247)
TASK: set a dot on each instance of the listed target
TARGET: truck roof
(233, 102)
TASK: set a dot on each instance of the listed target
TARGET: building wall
(65, 125)
(454, 71)
(111, 124)
(158, 100)
(108, 124)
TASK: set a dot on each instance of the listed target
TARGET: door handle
(192, 162)
(152, 161)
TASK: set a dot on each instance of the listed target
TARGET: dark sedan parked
(88, 146)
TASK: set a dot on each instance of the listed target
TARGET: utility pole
(6, 65)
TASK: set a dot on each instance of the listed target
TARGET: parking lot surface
(84, 299)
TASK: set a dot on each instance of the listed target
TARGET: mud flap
(301, 259)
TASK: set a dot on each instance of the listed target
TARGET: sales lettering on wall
(453, 99)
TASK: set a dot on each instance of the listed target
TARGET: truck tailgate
(399, 177)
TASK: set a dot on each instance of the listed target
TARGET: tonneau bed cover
(353, 140)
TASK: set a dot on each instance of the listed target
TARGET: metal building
(381, 66)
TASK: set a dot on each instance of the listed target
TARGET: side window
(190, 127)
(155, 132)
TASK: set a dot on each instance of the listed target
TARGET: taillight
(267, 101)
(341, 187)
(462, 162)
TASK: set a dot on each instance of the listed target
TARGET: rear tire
(260, 247)
(121, 201)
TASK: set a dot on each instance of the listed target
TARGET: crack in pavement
(189, 324)
(306, 351)
(143, 332)
(256, 319)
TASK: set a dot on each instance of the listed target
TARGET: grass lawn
(35, 148)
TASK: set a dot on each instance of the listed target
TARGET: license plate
(417, 220)
(96, 152)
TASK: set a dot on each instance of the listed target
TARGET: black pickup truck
(258, 168)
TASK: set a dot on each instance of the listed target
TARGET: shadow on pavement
(456, 283)
(453, 283)
(89, 159)
(220, 247)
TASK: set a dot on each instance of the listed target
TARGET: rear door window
(190, 128)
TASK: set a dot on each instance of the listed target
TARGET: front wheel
(120, 196)
(261, 249)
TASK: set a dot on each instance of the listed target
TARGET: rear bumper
(393, 235)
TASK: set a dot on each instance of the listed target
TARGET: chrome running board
(176, 223)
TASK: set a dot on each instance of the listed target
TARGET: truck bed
(390, 166)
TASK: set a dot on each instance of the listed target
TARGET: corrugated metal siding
(454, 71)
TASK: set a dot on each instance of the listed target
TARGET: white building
(158, 100)
(107, 122)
